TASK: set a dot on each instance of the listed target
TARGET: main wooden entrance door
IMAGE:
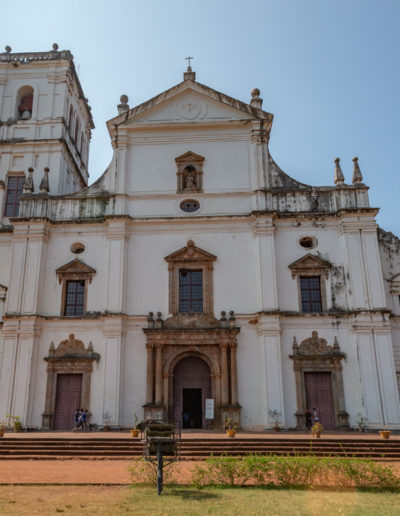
(68, 399)
(319, 395)
(192, 386)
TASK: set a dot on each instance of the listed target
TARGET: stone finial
(44, 183)
(336, 346)
(28, 184)
(8, 49)
(232, 319)
(90, 346)
(150, 320)
(189, 75)
(295, 346)
(124, 106)
(159, 321)
(357, 176)
(256, 101)
(339, 177)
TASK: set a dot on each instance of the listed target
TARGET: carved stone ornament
(310, 265)
(72, 348)
(316, 346)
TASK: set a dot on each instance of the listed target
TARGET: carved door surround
(216, 345)
(315, 355)
(190, 172)
(70, 357)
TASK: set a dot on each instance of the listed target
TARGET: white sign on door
(210, 408)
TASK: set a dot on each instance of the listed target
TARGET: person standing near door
(316, 415)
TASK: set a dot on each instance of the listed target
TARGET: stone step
(194, 449)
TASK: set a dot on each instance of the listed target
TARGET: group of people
(80, 419)
(312, 418)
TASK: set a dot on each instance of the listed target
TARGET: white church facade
(193, 269)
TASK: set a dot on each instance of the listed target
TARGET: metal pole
(159, 468)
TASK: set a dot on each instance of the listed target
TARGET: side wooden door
(68, 399)
(319, 395)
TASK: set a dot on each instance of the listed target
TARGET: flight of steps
(194, 448)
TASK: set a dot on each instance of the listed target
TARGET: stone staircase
(194, 448)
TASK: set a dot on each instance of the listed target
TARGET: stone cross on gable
(188, 60)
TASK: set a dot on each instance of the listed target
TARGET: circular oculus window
(189, 205)
(308, 242)
(77, 248)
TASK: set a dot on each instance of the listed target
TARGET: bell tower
(45, 127)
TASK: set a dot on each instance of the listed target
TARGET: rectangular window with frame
(190, 290)
(310, 290)
(14, 191)
(74, 298)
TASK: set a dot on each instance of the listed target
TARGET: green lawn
(48, 500)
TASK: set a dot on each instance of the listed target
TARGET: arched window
(77, 132)
(71, 115)
(82, 145)
(24, 103)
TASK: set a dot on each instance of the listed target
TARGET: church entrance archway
(192, 386)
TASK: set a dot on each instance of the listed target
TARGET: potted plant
(230, 427)
(106, 419)
(362, 423)
(135, 430)
(385, 434)
(275, 415)
(317, 429)
(16, 421)
(3, 428)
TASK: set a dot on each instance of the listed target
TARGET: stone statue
(190, 181)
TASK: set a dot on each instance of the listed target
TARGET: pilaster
(377, 370)
(269, 331)
(117, 248)
(264, 234)
(113, 334)
(19, 339)
(360, 243)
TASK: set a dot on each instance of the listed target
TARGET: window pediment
(76, 269)
(310, 265)
(190, 158)
(190, 253)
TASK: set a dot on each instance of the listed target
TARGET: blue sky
(327, 69)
